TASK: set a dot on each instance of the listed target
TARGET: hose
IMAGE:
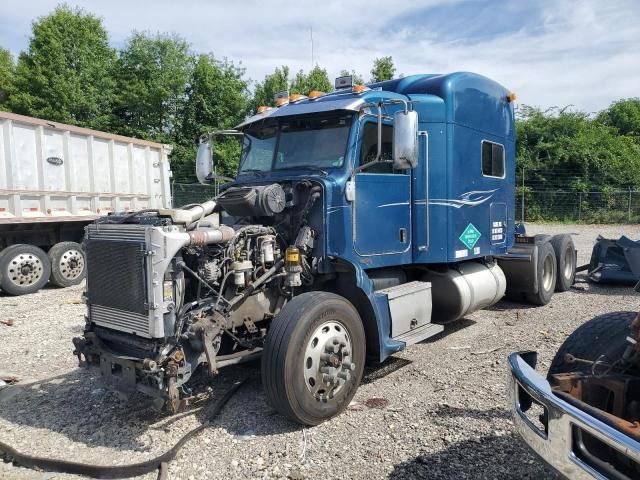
(119, 471)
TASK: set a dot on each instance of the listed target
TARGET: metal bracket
(250, 326)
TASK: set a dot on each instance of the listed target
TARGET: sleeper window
(492, 159)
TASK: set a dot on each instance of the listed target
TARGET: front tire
(23, 269)
(313, 357)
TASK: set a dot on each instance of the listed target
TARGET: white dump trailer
(54, 180)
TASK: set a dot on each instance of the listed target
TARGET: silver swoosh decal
(467, 199)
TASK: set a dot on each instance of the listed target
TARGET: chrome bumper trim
(555, 445)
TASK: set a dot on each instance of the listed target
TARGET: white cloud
(576, 52)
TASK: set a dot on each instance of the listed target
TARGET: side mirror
(204, 162)
(405, 140)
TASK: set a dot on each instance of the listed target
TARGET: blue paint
(432, 204)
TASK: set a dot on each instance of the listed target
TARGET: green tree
(66, 74)
(560, 147)
(316, 79)
(383, 69)
(153, 72)
(273, 83)
(624, 115)
(7, 77)
(357, 78)
(217, 98)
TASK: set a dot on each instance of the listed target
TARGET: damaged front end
(170, 290)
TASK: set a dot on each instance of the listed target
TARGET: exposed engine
(168, 290)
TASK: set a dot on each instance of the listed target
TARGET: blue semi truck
(360, 221)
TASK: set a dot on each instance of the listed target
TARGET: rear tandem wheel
(23, 269)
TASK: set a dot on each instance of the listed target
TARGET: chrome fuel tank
(464, 288)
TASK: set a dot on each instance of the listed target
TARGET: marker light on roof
(263, 108)
(359, 89)
(315, 94)
(281, 98)
(294, 97)
(511, 97)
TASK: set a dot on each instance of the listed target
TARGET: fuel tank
(464, 288)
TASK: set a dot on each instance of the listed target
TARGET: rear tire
(545, 276)
(313, 357)
(602, 335)
(23, 269)
(68, 264)
(566, 261)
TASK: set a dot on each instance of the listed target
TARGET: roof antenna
(311, 32)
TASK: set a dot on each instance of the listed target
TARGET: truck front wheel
(67, 264)
(313, 357)
(23, 269)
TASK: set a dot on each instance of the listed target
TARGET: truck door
(382, 205)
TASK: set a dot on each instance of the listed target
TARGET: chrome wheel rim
(568, 262)
(547, 273)
(71, 264)
(25, 269)
(327, 360)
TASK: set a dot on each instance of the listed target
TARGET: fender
(520, 264)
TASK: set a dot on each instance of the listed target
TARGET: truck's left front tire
(313, 357)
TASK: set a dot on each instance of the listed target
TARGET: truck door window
(492, 159)
(369, 147)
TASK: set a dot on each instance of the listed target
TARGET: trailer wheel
(313, 357)
(566, 261)
(68, 266)
(23, 269)
(546, 275)
(602, 335)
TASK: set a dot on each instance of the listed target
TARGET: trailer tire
(298, 383)
(566, 261)
(24, 269)
(68, 264)
(602, 335)
(545, 275)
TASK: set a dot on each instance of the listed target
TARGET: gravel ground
(436, 410)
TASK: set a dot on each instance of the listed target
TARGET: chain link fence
(617, 206)
(532, 203)
(562, 196)
(186, 193)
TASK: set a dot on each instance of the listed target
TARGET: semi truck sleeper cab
(360, 221)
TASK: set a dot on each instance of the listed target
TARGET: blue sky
(580, 52)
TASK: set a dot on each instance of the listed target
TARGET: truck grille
(116, 278)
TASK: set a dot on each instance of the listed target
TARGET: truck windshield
(318, 141)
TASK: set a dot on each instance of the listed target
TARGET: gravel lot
(436, 410)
